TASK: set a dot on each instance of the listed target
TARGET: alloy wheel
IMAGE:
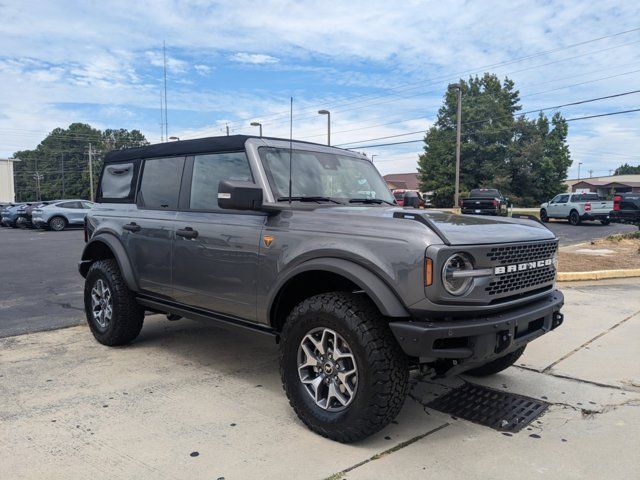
(327, 369)
(101, 304)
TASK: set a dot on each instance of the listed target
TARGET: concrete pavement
(192, 401)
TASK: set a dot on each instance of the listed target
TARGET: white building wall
(7, 188)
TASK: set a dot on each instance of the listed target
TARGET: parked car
(626, 208)
(484, 201)
(8, 215)
(356, 290)
(60, 214)
(577, 207)
(25, 213)
(409, 198)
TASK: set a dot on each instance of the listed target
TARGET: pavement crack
(589, 342)
(406, 443)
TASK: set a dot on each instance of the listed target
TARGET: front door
(215, 253)
(148, 236)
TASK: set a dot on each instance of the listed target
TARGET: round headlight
(454, 284)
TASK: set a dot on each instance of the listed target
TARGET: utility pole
(164, 58)
(456, 195)
(90, 173)
(227, 127)
(579, 163)
(38, 177)
(62, 167)
(590, 173)
(161, 120)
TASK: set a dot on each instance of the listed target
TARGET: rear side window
(118, 182)
(160, 184)
(585, 197)
(209, 170)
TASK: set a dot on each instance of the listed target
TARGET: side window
(563, 199)
(68, 205)
(209, 170)
(160, 184)
(118, 181)
(87, 205)
(555, 199)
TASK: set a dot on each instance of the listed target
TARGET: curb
(598, 275)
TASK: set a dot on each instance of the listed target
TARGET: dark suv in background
(304, 242)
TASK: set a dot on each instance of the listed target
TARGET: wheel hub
(101, 304)
(327, 369)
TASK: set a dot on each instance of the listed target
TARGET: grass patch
(618, 237)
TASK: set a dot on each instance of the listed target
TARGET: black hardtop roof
(187, 147)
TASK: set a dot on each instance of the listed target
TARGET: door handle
(132, 227)
(187, 232)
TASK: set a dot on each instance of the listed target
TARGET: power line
(474, 70)
(487, 132)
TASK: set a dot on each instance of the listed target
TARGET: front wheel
(342, 369)
(544, 216)
(605, 222)
(114, 316)
(57, 224)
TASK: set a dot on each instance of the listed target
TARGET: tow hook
(557, 320)
(503, 340)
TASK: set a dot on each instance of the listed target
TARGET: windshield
(323, 175)
(585, 197)
(484, 193)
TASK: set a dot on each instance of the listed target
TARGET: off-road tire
(497, 365)
(574, 218)
(55, 224)
(127, 316)
(383, 372)
(543, 216)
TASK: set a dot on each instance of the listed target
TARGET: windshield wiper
(309, 199)
(377, 201)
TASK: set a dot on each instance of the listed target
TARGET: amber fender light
(428, 272)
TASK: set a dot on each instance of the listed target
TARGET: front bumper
(470, 342)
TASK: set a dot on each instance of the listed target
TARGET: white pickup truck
(577, 207)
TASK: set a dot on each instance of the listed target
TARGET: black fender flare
(377, 289)
(97, 244)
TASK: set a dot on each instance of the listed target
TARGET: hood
(456, 229)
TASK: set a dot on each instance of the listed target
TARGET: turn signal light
(428, 272)
(587, 207)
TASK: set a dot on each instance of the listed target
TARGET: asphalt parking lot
(586, 231)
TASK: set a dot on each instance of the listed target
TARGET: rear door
(148, 234)
(215, 253)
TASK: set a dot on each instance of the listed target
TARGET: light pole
(456, 195)
(328, 114)
(579, 163)
(257, 124)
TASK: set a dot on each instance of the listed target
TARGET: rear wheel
(57, 224)
(543, 216)
(497, 365)
(574, 218)
(342, 369)
(114, 316)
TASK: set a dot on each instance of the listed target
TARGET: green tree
(626, 169)
(61, 161)
(525, 159)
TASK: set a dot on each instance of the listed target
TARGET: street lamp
(579, 163)
(328, 114)
(456, 195)
(257, 124)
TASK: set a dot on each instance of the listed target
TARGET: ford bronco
(305, 242)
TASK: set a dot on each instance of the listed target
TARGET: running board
(203, 315)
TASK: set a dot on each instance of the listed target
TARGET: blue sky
(380, 67)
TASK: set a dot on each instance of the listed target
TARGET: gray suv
(305, 243)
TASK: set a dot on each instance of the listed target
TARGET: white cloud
(202, 69)
(253, 58)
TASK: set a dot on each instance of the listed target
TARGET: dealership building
(7, 188)
(604, 186)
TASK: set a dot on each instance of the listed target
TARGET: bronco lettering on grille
(520, 267)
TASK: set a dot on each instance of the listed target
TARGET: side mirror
(239, 195)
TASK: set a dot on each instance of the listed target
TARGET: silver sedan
(58, 215)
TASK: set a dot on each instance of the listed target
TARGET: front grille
(515, 281)
(522, 253)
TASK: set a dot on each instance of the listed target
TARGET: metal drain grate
(502, 411)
